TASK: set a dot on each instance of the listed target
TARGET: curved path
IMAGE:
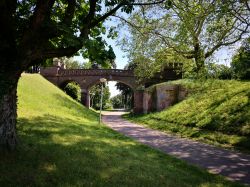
(234, 165)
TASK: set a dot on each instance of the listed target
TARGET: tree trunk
(200, 62)
(8, 111)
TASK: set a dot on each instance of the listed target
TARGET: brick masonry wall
(159, 97)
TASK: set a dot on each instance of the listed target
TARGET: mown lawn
(62, 144)
(215, 112)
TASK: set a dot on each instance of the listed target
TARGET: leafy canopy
(184, 30)
(241, 61)
(36, 30)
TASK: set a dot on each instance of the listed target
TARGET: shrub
(219, 71)
(73, 90)
(241, 62)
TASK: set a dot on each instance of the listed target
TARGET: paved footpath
(232, 164)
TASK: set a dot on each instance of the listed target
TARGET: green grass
(216, 112)
(62, 144)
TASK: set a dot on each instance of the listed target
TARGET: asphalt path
(232, 164)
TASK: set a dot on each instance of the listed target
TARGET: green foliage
(215, 111)
(219, 71)
(73, 90)
(64, 28)
(87, 65)
(47, 63)
(64, 145)
(95, 97)
(98, 51)
(241, 62)
(182, 31)
(70, 63)
(117, 101)
(127, 94)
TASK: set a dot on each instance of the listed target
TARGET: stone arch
(115, 80)
(87, 77)
(85, 95)
(120, 81)
(89, 81)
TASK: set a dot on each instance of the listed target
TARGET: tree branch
(187, 54)
(59, 52)
(145, 4)
(87, 20)
(105, 16)
(247, 5)
(69, 13)
(42, 12)
(129, 23)
(220, 44)
(118, 6)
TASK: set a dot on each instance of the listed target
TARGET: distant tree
(87, 65)
(95, 97)
(219, 71)
(241, 61)
(117, 101)
(70, 63)
(95, 65)
(126, 92)
(130, 66)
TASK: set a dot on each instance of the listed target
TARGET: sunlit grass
(62, 144)
(216, 111)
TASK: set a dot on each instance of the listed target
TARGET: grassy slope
(61, 144)
(216, 112)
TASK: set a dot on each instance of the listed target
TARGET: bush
(241, 62)
(219, 71)
(117, 101)
(73, 90)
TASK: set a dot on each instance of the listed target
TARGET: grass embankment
(216, 112)
(62, 144)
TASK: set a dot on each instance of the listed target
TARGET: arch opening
(116, 96)
(124, 97)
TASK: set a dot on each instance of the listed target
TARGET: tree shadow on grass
(56, 151)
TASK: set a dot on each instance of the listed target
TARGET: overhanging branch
(105, 16)
(146, 4)
(69, 13)
(42, 12)
(129, 23)
(59, 52)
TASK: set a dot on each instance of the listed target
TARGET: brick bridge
(86, 78)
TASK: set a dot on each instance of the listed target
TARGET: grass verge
(62, 144)
(215, 112)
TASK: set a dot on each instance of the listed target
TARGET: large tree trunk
(8, 111)
(200, 62)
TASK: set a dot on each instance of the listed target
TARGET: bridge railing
(95, 72)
